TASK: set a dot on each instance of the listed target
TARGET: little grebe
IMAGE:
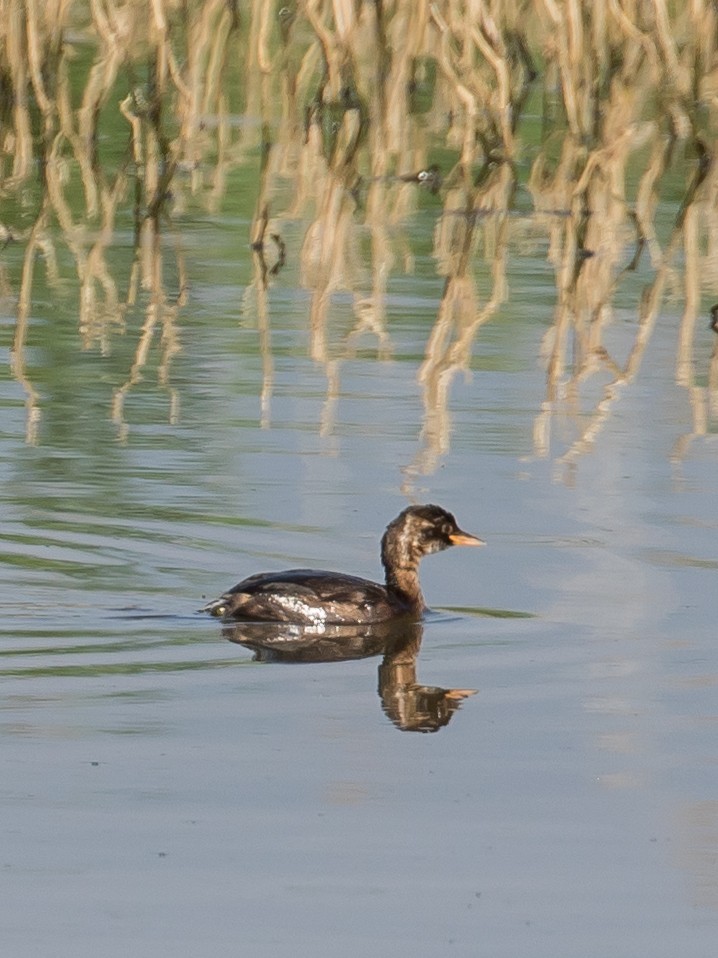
(311, 596)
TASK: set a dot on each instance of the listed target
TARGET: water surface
(164, 790)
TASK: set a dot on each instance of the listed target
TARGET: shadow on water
(410, 705)
(485, 612)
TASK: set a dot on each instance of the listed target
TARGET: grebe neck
(401, 569)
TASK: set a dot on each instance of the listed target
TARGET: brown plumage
(311, 596)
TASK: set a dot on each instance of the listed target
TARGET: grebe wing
(305, 596)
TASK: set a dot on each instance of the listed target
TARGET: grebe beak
(464, 539)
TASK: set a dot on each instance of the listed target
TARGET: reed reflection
(410, 705)
(595, 248)
(474, 214)
(359, 112)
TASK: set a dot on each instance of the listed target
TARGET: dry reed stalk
(35, 63)
(455, 71)
(697, 226)
(17, 73)
(353, 65)
(43, 61)
(114, 30)
(403, 40)
(677, 72)
(565, 38)
(257, 291)
(370, 311)
(713, 382)
(334, 45)
(328, 256)
(710, 224)
(481, 216)
(33, 412)
(490, 44)
(160, 315)
(91, 266)
(684, 236)
(647, 197)
(328, 251)
(599, 213)
(589, 244)
(692, 296)
(265, 342)
(626, 24)
(96, 316)
(208, 35)
(258, 67)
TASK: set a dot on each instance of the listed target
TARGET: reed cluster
(546, 121)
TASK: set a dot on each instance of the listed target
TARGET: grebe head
(418, 531)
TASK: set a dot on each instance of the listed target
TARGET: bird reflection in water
(411, 706)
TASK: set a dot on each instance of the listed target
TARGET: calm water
(164, 791)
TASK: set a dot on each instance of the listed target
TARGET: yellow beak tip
(464, 539)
